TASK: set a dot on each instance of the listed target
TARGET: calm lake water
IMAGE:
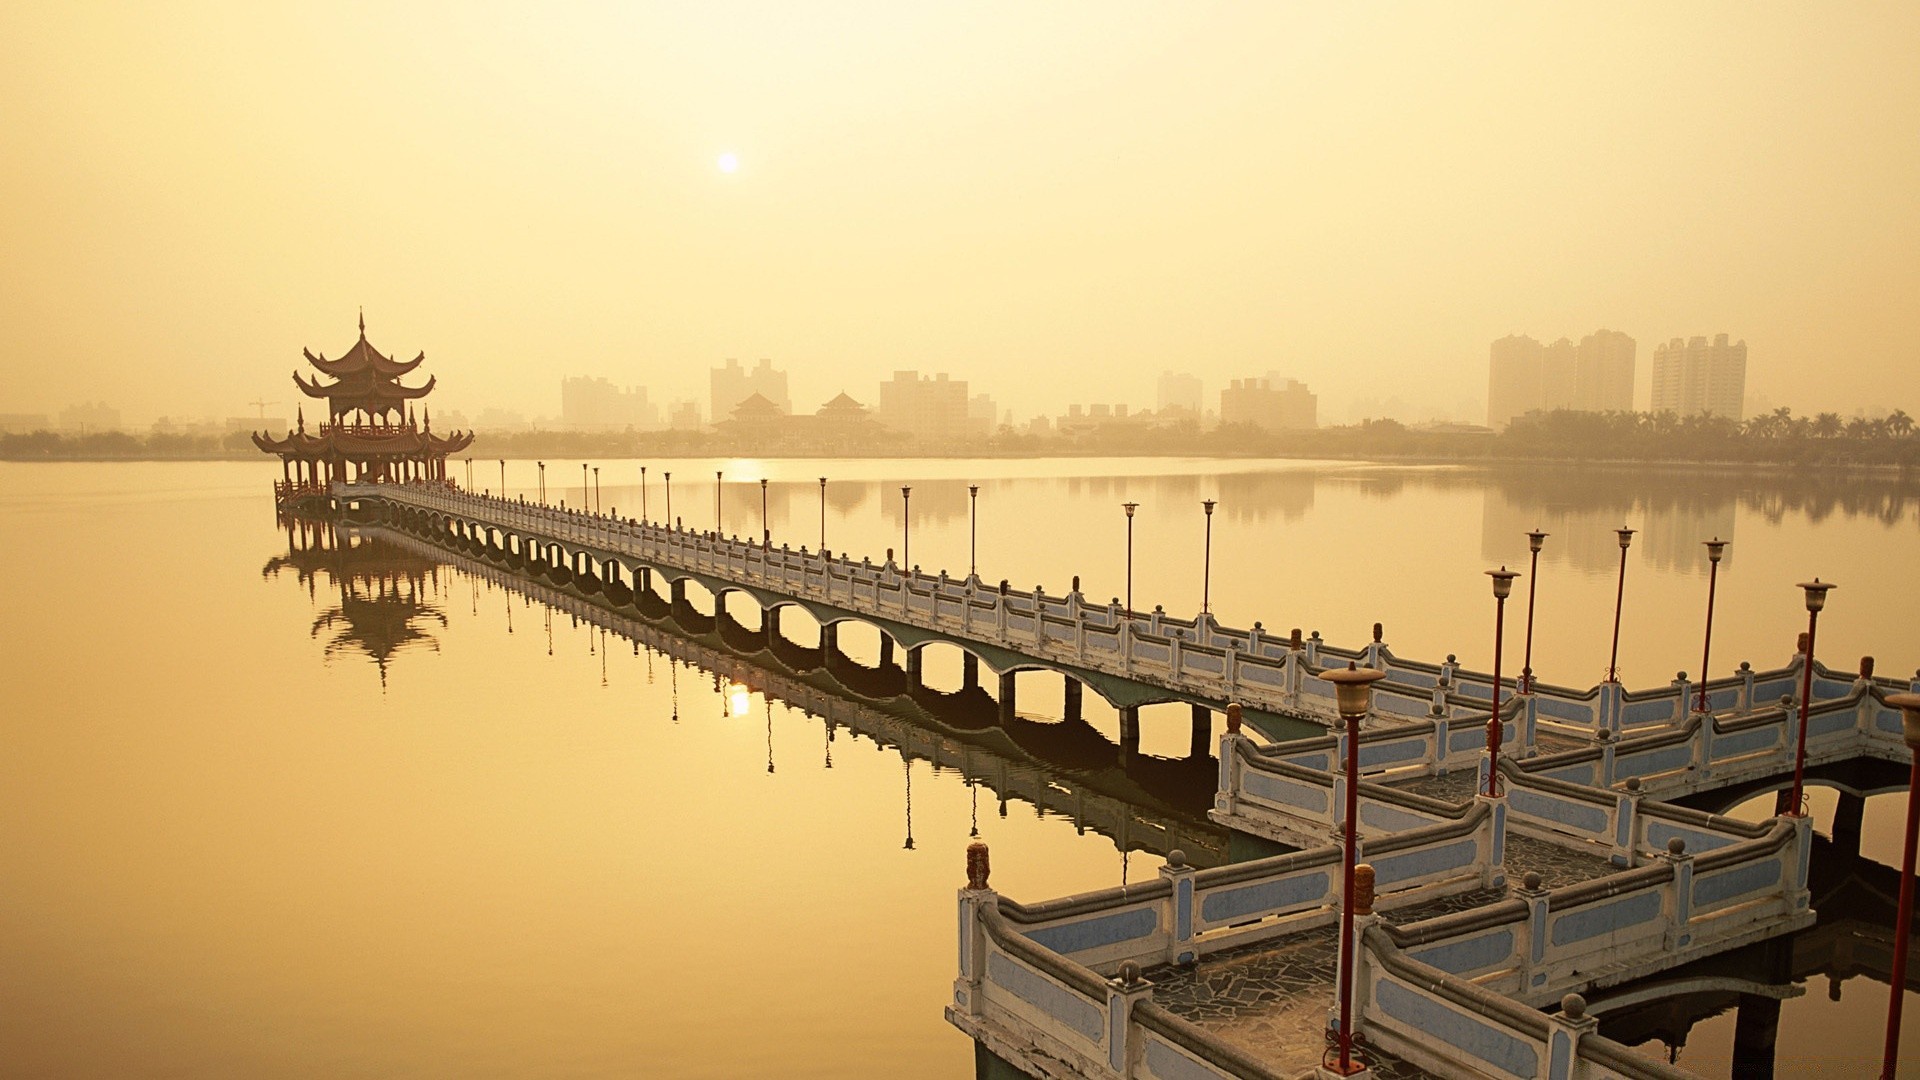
(232, 844)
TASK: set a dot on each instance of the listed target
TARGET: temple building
(370, 433)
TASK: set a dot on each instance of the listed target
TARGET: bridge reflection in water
(388, 582)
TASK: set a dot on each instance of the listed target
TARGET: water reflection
(1061, 767)
(383, 593)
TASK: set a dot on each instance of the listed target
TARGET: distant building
(1272, 403)
(930, 408)
(983, 417)
(82, 419)
(588, 404)
(1179, 392)
(1525, 376)
(684, 416)
(1693, 376)
(1082, 419)
(502, 420)
(733, 384)
(23, 423)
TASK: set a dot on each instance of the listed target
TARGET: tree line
(1776, 438)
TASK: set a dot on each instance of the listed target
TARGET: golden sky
(1056, 202)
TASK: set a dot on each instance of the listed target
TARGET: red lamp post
(1535, 541)
(823, 515)
(1502, 588)
(1909, 706)
(643, 494)
(1620, 594)
(973, 530)
(1354, 698)
(1816, 591)
(1129, 507)
(1716, 547)
(1206, 566)
(716, 504)
(1353, 693)
(668, 477)
(906, 527)
(766, 533)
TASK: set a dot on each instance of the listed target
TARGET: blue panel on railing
(1460, 1028)
(1764, 693)
(1384, 753)
(1311, 761)
(1470, 954)
(1648, 712)
(1202, 662)
(1401, 704)
(1745, 742)
(1285, 792)
(1167, 1063)
(1056, 1001)
(1467, 738)
(1830, 723)
(1602, 919)
(1828, 689)
(1663, 759)
(1751, 878)
(1438, 859)
(1262, 674)
(1279, 894)
(1160, 653)
(1563, 710)
(1659, 831)
(1102, 930)
(1387, 818)
(1887, 720)
(1585, 817)
(1583, 773)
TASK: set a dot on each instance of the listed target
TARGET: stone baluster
(1626, 823)
(1565, 1029)
(1180, 876)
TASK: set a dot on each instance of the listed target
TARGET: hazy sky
(1054, 201)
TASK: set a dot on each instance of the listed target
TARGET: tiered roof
(364, 380)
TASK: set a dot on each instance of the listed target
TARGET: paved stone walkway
(1273, 999)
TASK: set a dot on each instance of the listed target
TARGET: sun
(729, 162)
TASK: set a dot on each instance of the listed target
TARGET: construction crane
(262, 406)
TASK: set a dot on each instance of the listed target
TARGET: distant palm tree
(1827, 425)
(1899, 424)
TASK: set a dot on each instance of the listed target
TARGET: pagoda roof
(363, 377)
(362, 356)
(756, 406)
(366, 385)
(353, 442)
(842, 405)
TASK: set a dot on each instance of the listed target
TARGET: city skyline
(920, 189)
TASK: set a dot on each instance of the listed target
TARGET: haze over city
(1359, 197)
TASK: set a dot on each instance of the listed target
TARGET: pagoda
(369, 435)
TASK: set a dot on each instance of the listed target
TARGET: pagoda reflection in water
(384, 591)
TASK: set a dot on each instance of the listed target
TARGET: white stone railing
(1197, 658)
(1457, 995)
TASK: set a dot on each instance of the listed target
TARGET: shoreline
(1611, 464)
